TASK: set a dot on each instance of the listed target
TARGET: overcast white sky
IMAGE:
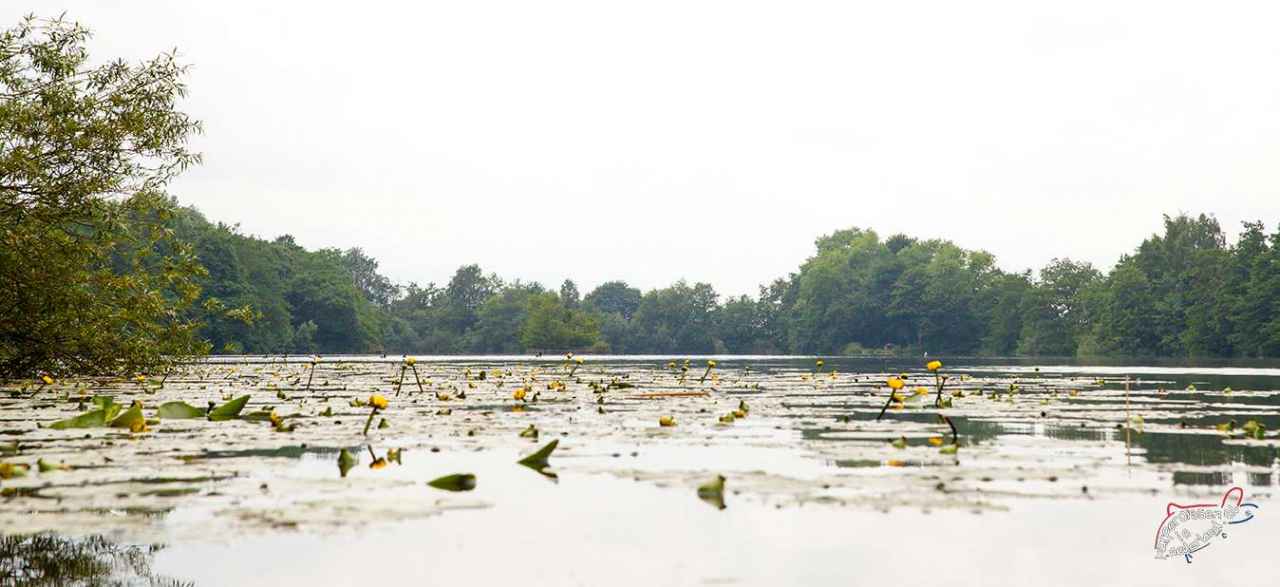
(655, 140)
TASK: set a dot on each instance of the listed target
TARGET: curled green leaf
(456, 482)
(229, 410)
(178, 410)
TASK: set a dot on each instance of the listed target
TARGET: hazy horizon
(711, 141)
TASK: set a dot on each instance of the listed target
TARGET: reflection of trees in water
(1201, 449)
(47, 559)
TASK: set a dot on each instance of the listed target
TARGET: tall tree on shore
(90, 278)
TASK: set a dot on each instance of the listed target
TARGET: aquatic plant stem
(400, 381)
(311, 374)
(955, 436)
(417, 380)
(886, 405)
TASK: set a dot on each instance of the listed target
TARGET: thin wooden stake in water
(1128, 420)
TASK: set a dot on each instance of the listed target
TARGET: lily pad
(346, 461)
(538, 460)
(179, 410)
(712, 492)
(91, 419)
(229, 410)
(455, 482)
(132, 419)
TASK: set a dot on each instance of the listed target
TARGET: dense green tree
(614, 297)
(552, 325)
(91, 281)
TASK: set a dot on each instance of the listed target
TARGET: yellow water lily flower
(896, 383)
(519, 393)
(666, 421)
(711, 363)
(46, 379)
(378, 401)
(921, 391)
(933, 365)
(410, 361)
(935, 441)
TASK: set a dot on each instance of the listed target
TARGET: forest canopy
(1183, 293)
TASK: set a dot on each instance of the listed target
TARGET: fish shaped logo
(1187, 529)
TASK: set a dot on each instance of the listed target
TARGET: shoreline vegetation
(105, 272)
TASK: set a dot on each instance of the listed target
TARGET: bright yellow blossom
(933, 365)
(378, 401)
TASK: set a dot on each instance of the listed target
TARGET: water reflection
(47, 559)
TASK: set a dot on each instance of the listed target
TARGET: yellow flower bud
(934, 365)
(378, 401)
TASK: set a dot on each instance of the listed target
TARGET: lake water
(1059, 476)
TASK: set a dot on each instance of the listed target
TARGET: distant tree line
(1183, 293)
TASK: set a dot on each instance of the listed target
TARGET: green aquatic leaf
(712, 487)
(178, 410)
(258, 416)
(530, 432)
(132, 419)
(900, 442)
(104, 402)
(455, 482)
(949, 449)
(92, 419)
(346, 462)
(12, 470)
(712, 492)
(538, 460)
(1254, 429)
(229, 410)
(46, 467)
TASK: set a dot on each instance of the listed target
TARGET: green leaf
(46, 467)
(93, 419)
(132, 418)
(538, 460)
(229, 410)
(712, 487)
(712, 492)
(456, 482)
(179, 411)
(949, 449)
(258, 416)
(346, 462)
(104, 402)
